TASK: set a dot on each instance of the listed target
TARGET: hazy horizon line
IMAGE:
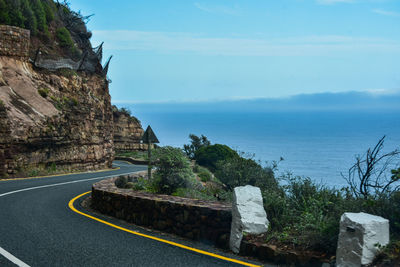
(370, 92)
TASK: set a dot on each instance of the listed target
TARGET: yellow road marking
(71, 206)
(56, 175)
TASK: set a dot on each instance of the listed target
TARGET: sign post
(149, 138)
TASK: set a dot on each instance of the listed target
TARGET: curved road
(37, 228)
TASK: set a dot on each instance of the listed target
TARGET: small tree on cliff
(368, 177)
(173, 170)
(196, 143)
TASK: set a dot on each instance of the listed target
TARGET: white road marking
(52, 185)
(12, 258)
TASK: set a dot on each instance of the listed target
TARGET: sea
(321, 145)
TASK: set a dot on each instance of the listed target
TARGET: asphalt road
(39, 229)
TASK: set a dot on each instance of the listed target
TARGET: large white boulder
(248, 215)
(358, 238)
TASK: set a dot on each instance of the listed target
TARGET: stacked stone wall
(190, 218)
(14, 42)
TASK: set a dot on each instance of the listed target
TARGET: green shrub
(130, 185)
(4, 16)
(49, 9)
(53, 167)
(306, 214)
(122, 181)
(40, 14)
(43, 92)
(64, 37)
(208, 156)
(240, 171)
(204, 174)
(30, 21)
(141, 184)
(195, 144)
(173, 170)
(68, 73)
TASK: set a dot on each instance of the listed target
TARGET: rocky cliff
(60, 119)
(127, 131)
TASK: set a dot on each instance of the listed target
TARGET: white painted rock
(248, 215)
(358, 236)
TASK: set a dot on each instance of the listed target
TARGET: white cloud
(218, 9)
(383, 91)
(386, 12)
(165, 42)
(331, 2)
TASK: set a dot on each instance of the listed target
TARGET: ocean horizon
(316, 144)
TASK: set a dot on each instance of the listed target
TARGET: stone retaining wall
(270, 253)
(14, 42)
(190, 218)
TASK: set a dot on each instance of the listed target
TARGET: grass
(68, 73)
(42, 170)
(43, 92)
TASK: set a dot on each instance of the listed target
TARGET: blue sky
(170, 50)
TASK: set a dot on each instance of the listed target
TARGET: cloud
(383, 91)
(166, 42)
(386, 13)
(218, 9)
(331, 2)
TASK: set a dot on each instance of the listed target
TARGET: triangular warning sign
(149, 136)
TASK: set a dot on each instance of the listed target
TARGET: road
(37, 228)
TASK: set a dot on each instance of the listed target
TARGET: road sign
(149, 136)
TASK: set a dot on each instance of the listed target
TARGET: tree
(173, 170)
(196, 144)
(40, 15)
(240, 171)
(208, 156)
(4, 17)
(30, 21)
(368, 177)
(14, 13)
(64, 37)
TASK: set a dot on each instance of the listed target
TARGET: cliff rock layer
(61, 119)
(127, 131)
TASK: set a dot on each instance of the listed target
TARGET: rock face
(358, 236)
(14, 42)
(61, 119)
(127, 132)
(248, 215)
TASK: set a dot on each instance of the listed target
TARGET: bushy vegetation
(203, 173)
(64, 102)
(64, 37)
(173, 170)
(239, 170)
(43, 92)
(195, 144)
(50, 23)
(208, 156)
(125, 111)
(303, 214)
(34, 15)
